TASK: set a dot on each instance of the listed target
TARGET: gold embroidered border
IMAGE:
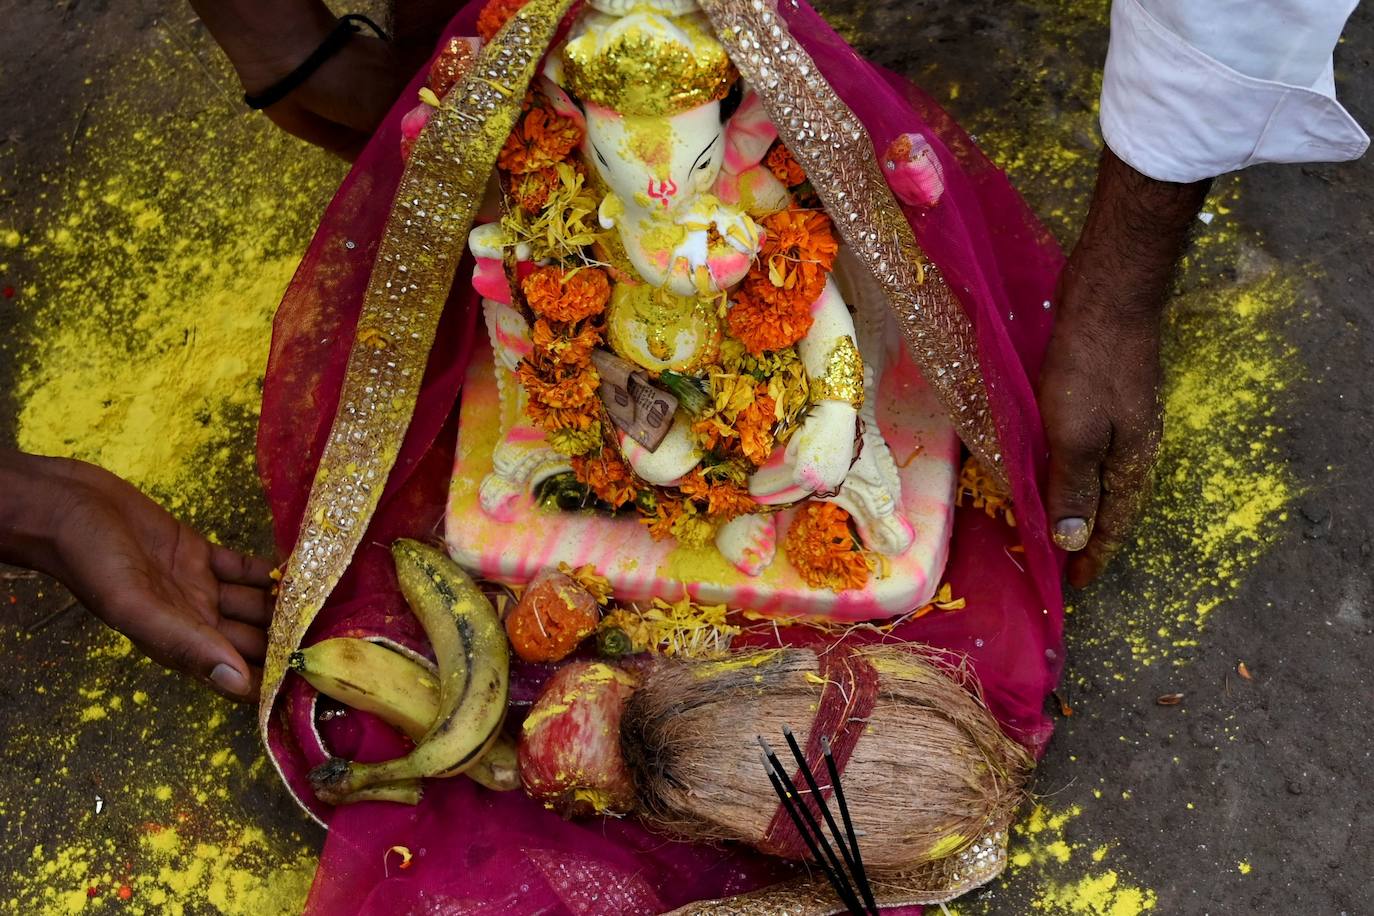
(426, 233)
(831, 145)
(937, 882)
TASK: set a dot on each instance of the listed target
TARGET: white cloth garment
(1198, 88)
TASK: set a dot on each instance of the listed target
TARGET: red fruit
(570, 746)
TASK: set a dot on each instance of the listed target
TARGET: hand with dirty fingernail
(1099, 388)
(193, 606)
(1072, 533)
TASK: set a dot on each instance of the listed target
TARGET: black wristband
(333, 42)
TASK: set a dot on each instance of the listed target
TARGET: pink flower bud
(411, 125)
(914, 171)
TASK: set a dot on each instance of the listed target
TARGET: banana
(497, 769)
(368, 676)
(474, 676)
(406, 792)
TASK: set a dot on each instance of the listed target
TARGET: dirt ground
(136, 196)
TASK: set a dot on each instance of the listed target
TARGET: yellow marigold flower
(691, 529)
(983, 492)
(587, 577)
(571, 441)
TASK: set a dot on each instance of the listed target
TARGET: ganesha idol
(692, 385)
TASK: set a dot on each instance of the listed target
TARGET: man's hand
(1099, 389)
(342, 102)
(192, 606)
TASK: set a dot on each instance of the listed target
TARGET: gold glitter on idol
(843, 379)
(648, 66)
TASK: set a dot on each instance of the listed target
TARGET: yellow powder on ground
(149, 284)
(1061, 876)
(1222, 488)
(145, 288)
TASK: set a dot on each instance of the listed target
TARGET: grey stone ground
(1248, 796)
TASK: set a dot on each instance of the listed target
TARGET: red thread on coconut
(847, 699)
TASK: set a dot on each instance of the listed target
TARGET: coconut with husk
(930, 780)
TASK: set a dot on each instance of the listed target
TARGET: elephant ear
(748, 136)
(563, 103)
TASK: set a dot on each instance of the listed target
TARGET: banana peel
(473, 659)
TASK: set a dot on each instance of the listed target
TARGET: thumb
(1074, 488)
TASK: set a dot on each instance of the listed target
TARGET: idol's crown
(645, 63)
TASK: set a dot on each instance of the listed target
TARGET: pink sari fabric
(480, 852)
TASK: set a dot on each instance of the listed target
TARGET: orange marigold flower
(761, 325)
(822, 549)
(660, 522)
(531, 191)
(608, 476)
(755, 426)
(715, 436)
(495, 15)
(680, 520)
(541, 139)
(567, 295)
(563, 386)
(560, 343)
(795, 258)
(578, 419)
(783, 166)
(724, 500)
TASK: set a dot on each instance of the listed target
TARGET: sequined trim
(831, 145)
(939, 882)
(439, 194)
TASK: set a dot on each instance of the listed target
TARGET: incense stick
(810, 778)
(811, 831)
(857, 866)
(835, 880)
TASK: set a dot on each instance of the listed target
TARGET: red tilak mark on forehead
(665, 192)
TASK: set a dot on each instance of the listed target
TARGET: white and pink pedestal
(922, 442)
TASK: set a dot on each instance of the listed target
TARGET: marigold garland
(784, 167)
(564, 343)
(567, 295)
(559, 386)
(821, 547)
(795, 259)
(542, 139)
(607, 476)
